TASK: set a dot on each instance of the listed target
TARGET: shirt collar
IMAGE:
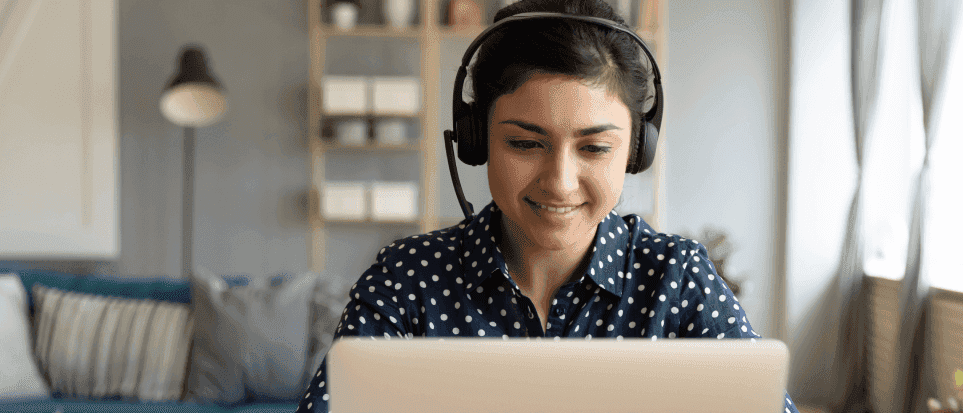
(481, 256)
(609, 253)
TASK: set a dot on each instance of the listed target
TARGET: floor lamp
(192, 99)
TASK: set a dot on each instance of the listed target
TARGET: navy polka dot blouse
(453, 282)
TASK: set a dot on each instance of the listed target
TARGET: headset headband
(654, 116)
(651, 120)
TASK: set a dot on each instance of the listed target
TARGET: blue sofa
(162, 289)
(106, 406)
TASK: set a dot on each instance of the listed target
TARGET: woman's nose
(560, 173)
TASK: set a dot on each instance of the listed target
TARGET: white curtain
(894, 56)
(849, 361)
(898, 52)
(937, 25)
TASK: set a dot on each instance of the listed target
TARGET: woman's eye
(597, 149)
(523, 144)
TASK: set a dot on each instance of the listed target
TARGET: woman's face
(558, 150)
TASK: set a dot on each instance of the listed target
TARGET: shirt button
(557, 311)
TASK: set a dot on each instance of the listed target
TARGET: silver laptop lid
(556, 375)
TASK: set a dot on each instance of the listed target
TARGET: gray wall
(726, 87)
(251, 168)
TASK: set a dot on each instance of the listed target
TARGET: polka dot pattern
(454, 282)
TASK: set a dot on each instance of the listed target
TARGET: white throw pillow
(19, 376)
(94, 346)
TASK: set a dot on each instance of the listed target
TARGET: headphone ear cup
(473, 142)
(643, 154)
(463, 127)
(647, 146)
(480, 135)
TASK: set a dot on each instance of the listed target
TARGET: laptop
(557, 375)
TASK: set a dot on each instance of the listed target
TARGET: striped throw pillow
(92, 346)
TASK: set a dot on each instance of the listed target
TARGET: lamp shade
(192, 97)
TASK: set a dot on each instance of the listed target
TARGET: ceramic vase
(399, 13)
(344, 15)
(391, 131)
(352, 132)
(464, 14)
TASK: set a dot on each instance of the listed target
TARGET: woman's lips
(560, 210)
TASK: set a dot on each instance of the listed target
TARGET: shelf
(370, 114)
(328, 146)
(375, 31)
(369, 31)
(369, 222)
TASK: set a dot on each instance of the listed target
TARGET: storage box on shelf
(344, 201)
(394, 201)
(385, 202)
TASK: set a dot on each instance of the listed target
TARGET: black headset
(470, 124)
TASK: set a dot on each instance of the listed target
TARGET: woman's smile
(541, 208)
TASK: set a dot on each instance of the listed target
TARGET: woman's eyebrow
(582, 132)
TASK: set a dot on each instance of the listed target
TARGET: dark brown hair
(594, 54)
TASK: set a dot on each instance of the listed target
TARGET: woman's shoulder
(433, 244)
(667, 259)
(672, 260)
(440, 244)
(645, 241)
(433, 257)
(414, 259)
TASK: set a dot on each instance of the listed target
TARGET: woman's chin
(545, 229)
(555, 239)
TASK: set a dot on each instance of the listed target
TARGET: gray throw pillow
(327, 304)
(250, 342)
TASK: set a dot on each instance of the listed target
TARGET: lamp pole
(187, 231)
(193, 98)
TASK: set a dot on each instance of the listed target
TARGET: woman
(548, 257)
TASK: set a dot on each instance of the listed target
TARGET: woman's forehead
(561, 100)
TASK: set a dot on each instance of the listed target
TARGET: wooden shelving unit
(429, 34)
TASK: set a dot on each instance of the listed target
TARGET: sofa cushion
(94, 346)
(250, 342)
(20, 378)
(81, 406)
(175, 290)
